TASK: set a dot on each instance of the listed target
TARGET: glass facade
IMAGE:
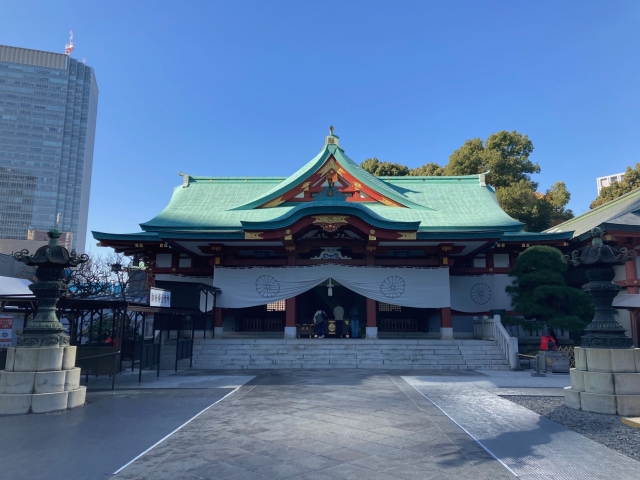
(48, 109)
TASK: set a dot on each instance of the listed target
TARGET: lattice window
(386, 307)
(279, 306)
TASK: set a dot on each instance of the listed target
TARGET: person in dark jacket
(320, 319)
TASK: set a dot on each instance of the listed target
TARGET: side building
(48, 111)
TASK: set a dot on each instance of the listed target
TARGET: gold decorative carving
(330, 218)
(328, 166)
(253, 235)
(273, 203)
(357, 185)
(305, 186)
(372, 232)
(288, 237)
(330, 223)
(407, 235)
(287, 231)
(372, 237)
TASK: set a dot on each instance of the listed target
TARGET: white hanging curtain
(407, 287)
(480, 293)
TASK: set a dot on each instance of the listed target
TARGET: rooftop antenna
(68, 48)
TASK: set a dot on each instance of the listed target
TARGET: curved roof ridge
(290, 181)
(332, 207)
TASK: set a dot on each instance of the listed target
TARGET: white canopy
(480, 293)
(407, 287)
(626, 300)
(14, 286)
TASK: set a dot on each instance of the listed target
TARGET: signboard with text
(159, 298)
(6, 331)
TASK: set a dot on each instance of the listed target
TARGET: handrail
(98, 356)
(492, 329)
(113, 376)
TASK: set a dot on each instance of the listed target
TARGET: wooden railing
(398, 325)
(488, 328)
(262, 324)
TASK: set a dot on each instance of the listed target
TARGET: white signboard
(159, 298)
(6, 331)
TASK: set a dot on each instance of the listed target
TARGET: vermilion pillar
(290, 317)
(631, 272)
(217, 323)
(446, 327)
(372, 327)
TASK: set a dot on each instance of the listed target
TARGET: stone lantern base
(40, 380)
(605, 380)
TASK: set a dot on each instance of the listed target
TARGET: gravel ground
(605, 429)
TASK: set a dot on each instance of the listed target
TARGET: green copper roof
(535, 236)
(622, 213)
(221, 206)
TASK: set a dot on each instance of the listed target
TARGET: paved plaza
(308, 425)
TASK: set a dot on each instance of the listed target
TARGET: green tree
(558, 197)
(617, 189)
(384, 169)
(469, 159)
(505, 155)
(541, 294)
(430, 169)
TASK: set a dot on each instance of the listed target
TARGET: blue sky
(241, 88)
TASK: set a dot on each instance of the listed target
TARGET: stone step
(345, 353)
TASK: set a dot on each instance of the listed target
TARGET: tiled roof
(436, 204)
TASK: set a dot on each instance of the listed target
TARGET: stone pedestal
(290, 332)
(605, 381)
(446, 333)
(372, 333)
(40, 380)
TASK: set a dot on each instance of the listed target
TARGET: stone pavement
(128, 380)
(321, 425)
(530, 445)
(92, 442)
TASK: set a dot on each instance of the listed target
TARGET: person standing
(320, 318)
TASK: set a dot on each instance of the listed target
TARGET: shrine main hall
(381, 256)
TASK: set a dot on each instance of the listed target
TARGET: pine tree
(541, 294)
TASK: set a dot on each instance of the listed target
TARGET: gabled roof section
(331, 151)
(222, 206)
(623, 213)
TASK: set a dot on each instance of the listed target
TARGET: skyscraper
(48, 110)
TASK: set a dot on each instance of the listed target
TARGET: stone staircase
(348, 353)
(168, 357)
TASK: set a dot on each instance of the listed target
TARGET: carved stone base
(36, 339)
(40, 380)
(603, 340)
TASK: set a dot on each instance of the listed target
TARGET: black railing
(149, 358)
(184, 350)
(99, 364)
(3, 358)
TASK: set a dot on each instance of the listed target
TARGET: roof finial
(332, 139)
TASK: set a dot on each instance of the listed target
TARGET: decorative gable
(332, 176)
